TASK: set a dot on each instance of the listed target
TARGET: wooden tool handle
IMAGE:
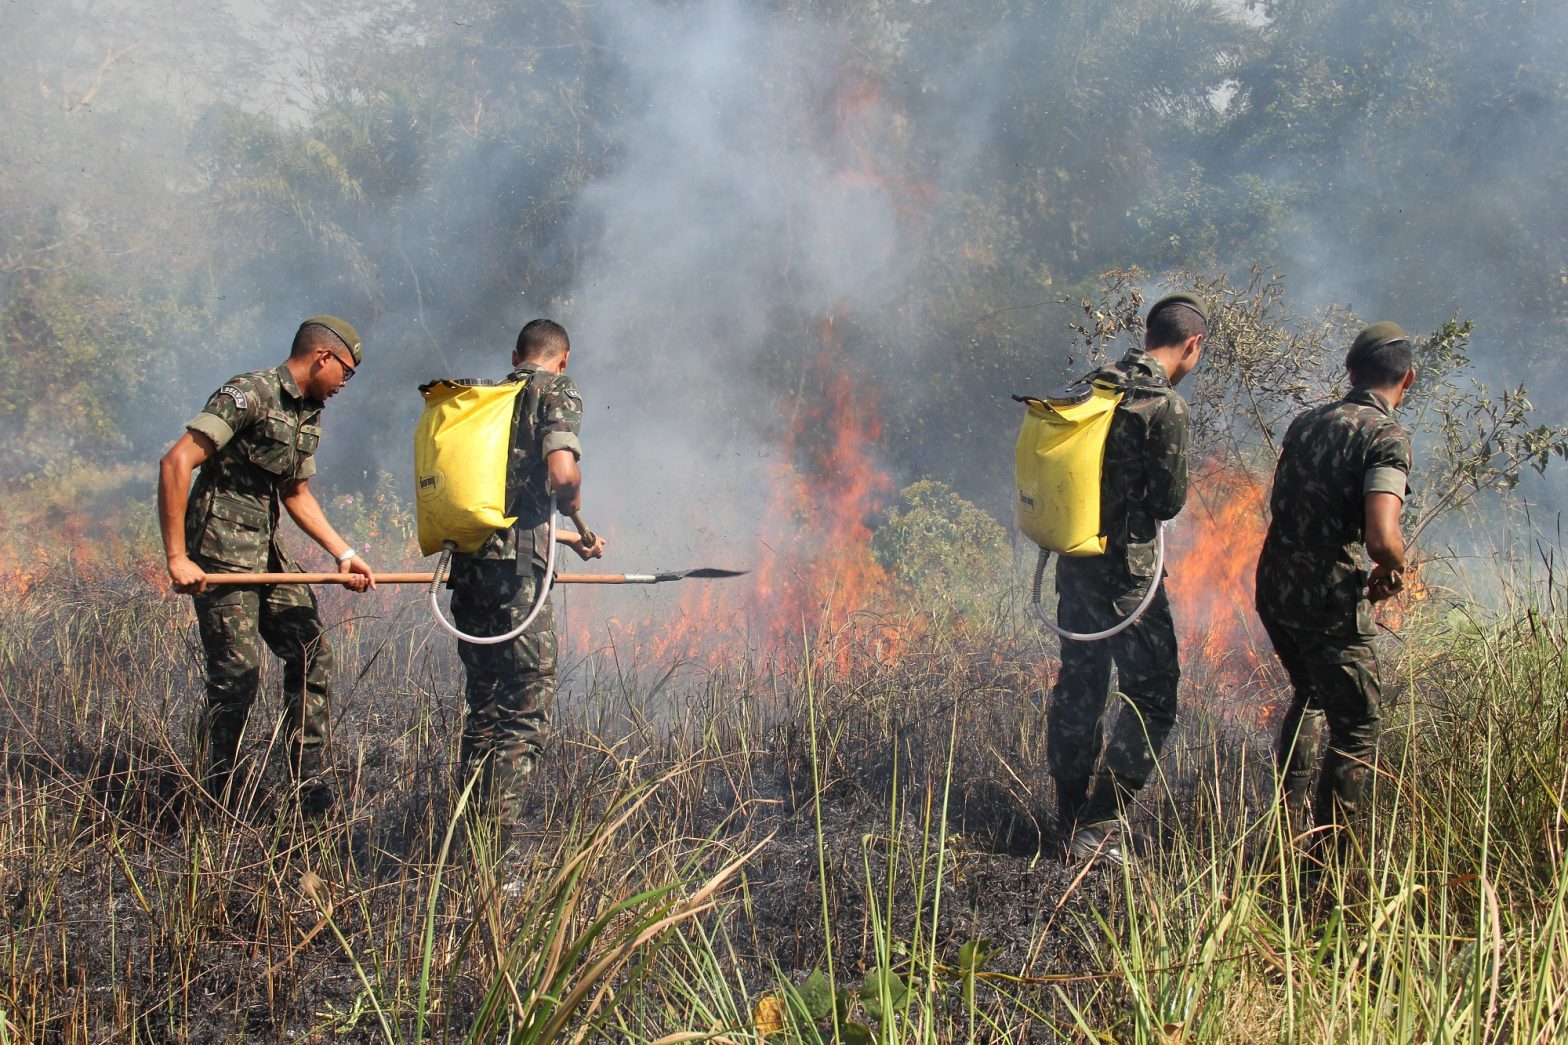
(587, 535)
(385, 578)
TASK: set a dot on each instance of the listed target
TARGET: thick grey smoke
(739, 223)
(731, 205)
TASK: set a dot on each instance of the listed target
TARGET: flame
(818, 590)
(822, 584)
(44, 530)
(1211, 561)
(1213, 556)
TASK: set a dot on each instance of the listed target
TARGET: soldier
(510, 685)
(1143, 482)
(1342, 477)
(255, 443)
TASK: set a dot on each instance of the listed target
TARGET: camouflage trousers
(1147, 675)
(234, 621)
(1335, 681)
(510, 685)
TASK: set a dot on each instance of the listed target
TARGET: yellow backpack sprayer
(461, 447)
(460, 451)
(1057, 468)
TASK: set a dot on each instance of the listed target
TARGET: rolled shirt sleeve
(561, 418)
(554, 441)
(1388, 460)
(213, 427)
(227, 412)
(1386, 479)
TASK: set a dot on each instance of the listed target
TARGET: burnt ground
(134, 902)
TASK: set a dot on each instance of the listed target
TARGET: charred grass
(839, 845)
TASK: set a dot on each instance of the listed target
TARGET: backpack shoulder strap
(527, 409)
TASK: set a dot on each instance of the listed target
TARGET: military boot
(1070, 798)
(313, 794)
(1100, 842)
(1295, 811)
(1109, 798)
(1102, 837)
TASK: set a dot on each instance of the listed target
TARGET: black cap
(1185, 300)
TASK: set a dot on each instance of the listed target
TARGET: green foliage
(1480, 440)
(882, 1000)
(380, 521)
(950, 554)
(86, 363)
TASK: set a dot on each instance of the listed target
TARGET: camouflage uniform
(1144, 481)
(1311, 592)
(510, 685)
(266, 433)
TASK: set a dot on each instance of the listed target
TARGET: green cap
(342, 328)
(1372, 338)
(1185, 300)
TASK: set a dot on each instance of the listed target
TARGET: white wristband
(346, 556)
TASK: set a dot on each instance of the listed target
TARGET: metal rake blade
(701, 573)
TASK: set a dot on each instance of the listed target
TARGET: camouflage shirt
(266, 432)
(547, 417)
(1144, 478)
(1309, 574)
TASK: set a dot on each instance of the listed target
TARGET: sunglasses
(348, 371)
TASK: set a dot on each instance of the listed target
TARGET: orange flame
(1211, 562)
(819, 587)
(42, 536)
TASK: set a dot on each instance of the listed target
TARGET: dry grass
(702, 838)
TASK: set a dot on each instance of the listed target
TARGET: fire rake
(428, 577)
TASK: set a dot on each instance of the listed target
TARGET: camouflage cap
(342, 328)
(1372, 338)
(1185, 300)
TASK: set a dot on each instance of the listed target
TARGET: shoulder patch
(570, 391)
(235, 393)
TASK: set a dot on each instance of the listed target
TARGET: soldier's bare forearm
(174, 488)
(174, 484)
(565, 480)
(307, 514)
(189, 452)
(1385, 541)
(306, 511)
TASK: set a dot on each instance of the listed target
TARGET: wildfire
(1211, 559)
(41, 535)
(817, 584)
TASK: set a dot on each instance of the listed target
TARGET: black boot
(313, 792)
(1070, 798)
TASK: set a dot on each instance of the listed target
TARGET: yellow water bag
(1061, 450)
(460, 453)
